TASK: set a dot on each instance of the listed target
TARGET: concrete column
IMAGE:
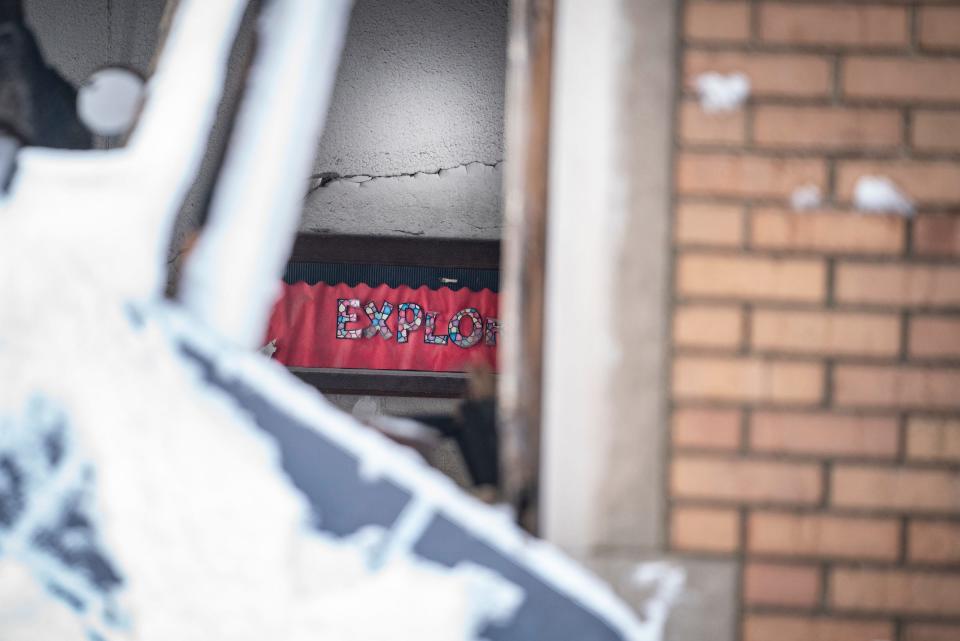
(604, 466)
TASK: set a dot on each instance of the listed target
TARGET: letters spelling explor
(412, 317)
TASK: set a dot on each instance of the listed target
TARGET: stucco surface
(420, 88)
(463, 202)
(418, 107)
(79, 36)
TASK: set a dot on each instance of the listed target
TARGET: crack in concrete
(324, 178)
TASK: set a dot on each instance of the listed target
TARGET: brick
(821, 536)
(934, 337)
(709, 224)
(718, 174)
(936, 131)
(924, 182)
(904, 79)
(787, 585)
(939, 27)
(931, 632)
(844, 25)
(833, 232)
(761, 627)
(899, 489)
(747, 277)
(896, 387)
(710, 428)
(717, 21)
(771, 74)
(933, 542)
(822, 332)
(756, 380)
(704, 529)
(936, 235)
(826, 127)
(708, 326)
(900, 285)
(894, 591)
(824, 434)
(698, 126)
(933, 439)
(745, 480)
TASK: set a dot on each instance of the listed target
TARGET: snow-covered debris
(805, 198)
(879, 195)
(722, 92)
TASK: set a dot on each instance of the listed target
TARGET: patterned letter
(404, 327)
(457, 336)
(492, 331)
(343, 304)
(378, 320)
(428, 336)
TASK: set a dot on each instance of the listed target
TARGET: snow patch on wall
(879, 195)
(722, 92)
(806, 197)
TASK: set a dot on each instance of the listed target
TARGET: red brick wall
(816, 355)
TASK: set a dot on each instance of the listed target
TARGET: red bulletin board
(385, 328)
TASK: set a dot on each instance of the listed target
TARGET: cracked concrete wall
(414, 139)
(413, 143)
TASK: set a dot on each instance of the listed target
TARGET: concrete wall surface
(80, 36)
(416, 122)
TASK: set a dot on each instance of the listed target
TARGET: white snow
(806, 197)
(879, 195)
(108, 102)
(382, 460)
(230, 281)
(207, 530)
(722, 92)
(24, 603)
(667, 581)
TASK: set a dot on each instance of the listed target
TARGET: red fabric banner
(365, 327)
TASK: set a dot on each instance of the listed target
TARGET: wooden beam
(524, 244)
